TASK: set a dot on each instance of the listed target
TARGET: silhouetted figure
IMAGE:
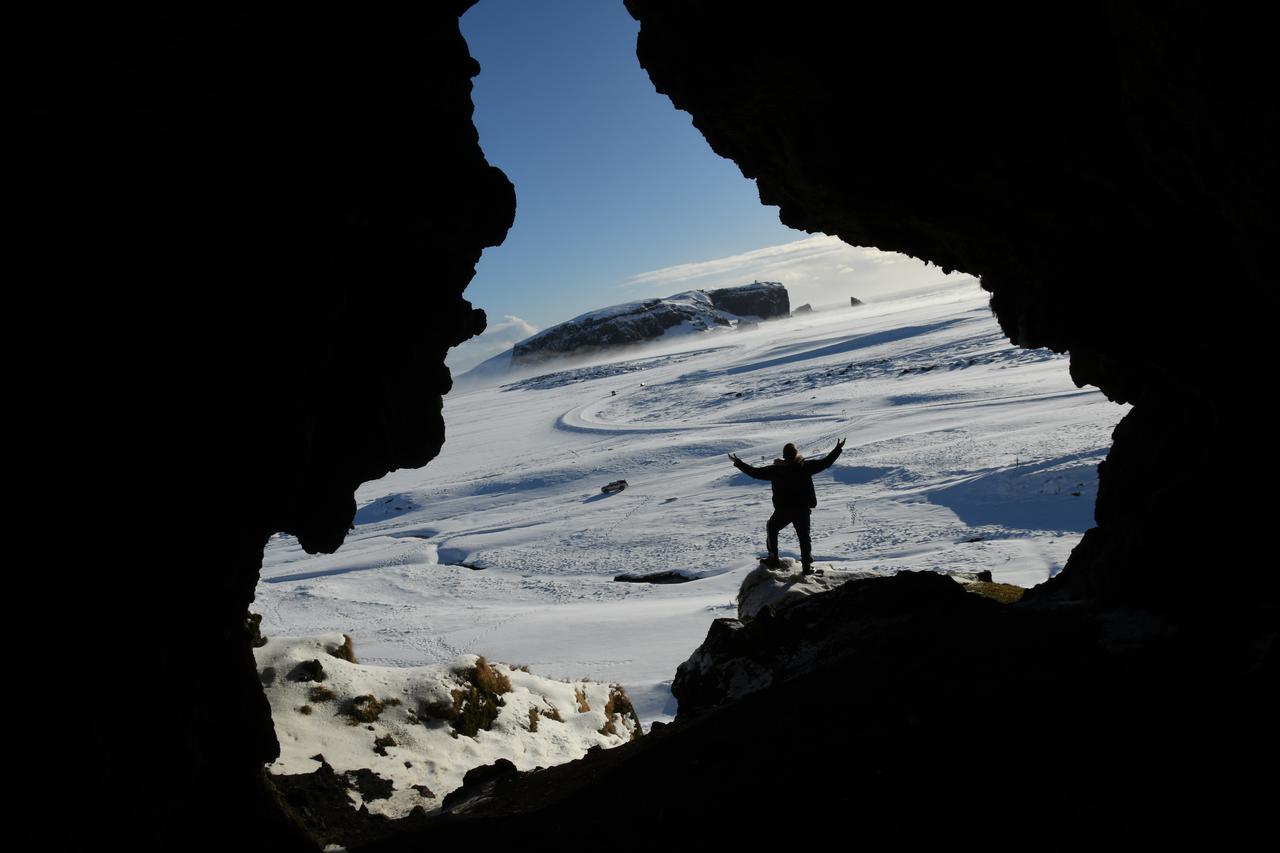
(793, 496)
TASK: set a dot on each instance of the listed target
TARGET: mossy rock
(1004, 593)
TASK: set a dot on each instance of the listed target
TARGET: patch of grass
(619, 705)
(1004, 593)
(364, 709)
(533, 719)
(320, 693)
(473, 710)
(477, 700)
(346, 651)
(435, 710)
(524, 667)
(488, 677)
(553, 714)
(393, 701)
(580, 695)
(305, 710)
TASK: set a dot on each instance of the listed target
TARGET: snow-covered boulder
(399, 738)
(786, 585)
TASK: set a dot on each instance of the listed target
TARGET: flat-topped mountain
(651, 319)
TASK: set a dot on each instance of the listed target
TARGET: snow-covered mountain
(642, 321)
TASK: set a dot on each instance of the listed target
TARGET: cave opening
(968, 455)
(210, 207)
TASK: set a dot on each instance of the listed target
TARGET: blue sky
(618, 197)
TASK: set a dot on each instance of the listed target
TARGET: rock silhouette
(223, 212)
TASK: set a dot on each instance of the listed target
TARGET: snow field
(964, 454)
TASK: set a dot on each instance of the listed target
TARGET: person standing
(793, 496)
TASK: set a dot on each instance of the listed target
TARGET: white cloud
(497, 337)
(820, 270)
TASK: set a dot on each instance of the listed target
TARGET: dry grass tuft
(580, 694)
(533, 719)
(488, 677)
(305, 710)
(320, 693)
(553, 714)
(364, 709)
(476, 701)
(346, 651)
(619, 707)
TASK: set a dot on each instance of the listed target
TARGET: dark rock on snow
(637, 322)
(671, 576)
(763, 300)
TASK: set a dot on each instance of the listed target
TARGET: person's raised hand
(733, 457)
(840, 444)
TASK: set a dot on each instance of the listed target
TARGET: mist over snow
(821, 270)
(496, 338)
(964, 453)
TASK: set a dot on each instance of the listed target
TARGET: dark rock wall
(763, 299)
(239, 240)
(911, 713)
(1105, 168)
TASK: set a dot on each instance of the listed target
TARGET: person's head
(789, 452)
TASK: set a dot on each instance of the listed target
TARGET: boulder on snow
(789, 635)
(308, 670)
(668, 576)
(766, 587)
(479, 783)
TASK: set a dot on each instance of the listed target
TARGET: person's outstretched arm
(751, 470)
(825, 462)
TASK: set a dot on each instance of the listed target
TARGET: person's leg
(777, 521)
(801, 521)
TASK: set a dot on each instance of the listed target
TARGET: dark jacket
(792, 481)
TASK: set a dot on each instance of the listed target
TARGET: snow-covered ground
(964, 453)
(396, 721)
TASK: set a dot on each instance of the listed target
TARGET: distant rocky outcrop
(762, 299)
(855, 301)
(651, 319)
(804, 309)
